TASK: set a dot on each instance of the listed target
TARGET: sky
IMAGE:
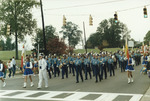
(78, 11)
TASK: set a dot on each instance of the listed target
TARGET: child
(2, 74)
(144, 69)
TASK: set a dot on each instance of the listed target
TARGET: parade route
(114, 88)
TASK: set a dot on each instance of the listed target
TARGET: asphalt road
(88, 90)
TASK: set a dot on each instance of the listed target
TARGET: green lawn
(6, 55)
(96, 50)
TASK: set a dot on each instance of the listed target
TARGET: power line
(132, 8)
(85, 5)
(94, 14)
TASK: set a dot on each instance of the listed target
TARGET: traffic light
(116, 17)
(64, 20)
(8, 29)
(145, 12)
(90, 20)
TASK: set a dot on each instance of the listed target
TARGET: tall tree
(7, 45)
(17, 14)
(2, 45)
(109, 32)
(147, 38)
(72, 32)
(50, 33)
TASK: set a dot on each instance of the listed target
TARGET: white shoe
(4, 84)
(132, 80)
(128, 80)
(38, 87)
(24, 85)
(32, 84)
(46, 86)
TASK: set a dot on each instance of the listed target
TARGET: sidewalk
(146, 96)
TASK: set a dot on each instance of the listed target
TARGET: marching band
(87, 66)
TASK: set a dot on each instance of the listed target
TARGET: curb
(146, 96)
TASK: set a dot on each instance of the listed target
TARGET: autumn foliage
(56, 46)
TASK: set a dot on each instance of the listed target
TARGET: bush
(55, 46)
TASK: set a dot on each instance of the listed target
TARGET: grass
(96, 50)
(6, 55)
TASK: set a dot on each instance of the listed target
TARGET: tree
(2, 44)
(72, 32)
(95, 39)
(109, 34)
(50, 32)
(54, 46)
(17, 13)
(147, 38)
(8, 45)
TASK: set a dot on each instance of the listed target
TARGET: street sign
(130, 44)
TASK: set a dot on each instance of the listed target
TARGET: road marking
(77, 90)
(107, 97)
(74, 95)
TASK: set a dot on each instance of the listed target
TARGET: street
(114, 88)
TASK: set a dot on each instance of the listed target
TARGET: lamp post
(85, 37)
(38, 47)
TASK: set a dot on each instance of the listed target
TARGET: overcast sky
(78, 11)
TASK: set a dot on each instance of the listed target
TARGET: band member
(97, 68)
(129, 69)
(55, 64)
(111, 66)
(42, 72)
(64, 68)
(78, 69)
(87, 68)
(28, 72)
(35, 66)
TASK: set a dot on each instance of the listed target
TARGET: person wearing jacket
(78, 63)
(42, 72)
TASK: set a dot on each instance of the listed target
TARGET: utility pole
(16, 34)
(44, 40)
(84, 37)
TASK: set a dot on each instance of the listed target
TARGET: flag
(127, 51)
(123, 49)
(22, 56)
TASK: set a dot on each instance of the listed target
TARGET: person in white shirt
(10, 65)
(2, 74)
(42, 72)
(14, 66)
